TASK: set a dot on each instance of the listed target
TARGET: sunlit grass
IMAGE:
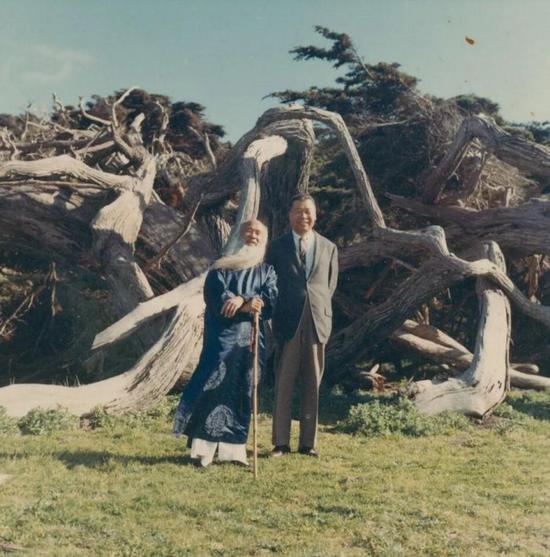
(129, 490)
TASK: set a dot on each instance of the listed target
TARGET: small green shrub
(163, 413)
(400, 417)
(8, 425)
(99, 418)
(165, 410)
(507, 418)
(45, 422)
(535, 404)
(504, 410)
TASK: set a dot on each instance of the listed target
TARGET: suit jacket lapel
(316, 254)
(291, 248)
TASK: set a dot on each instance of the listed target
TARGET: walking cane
(255, 394)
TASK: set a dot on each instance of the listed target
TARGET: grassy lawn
(129, 490)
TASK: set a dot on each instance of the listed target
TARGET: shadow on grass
(536, 405)
(99, 459)
(334, 405)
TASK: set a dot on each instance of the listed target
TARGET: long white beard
(244, 258)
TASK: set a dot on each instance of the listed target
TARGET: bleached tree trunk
(523, 230)
(484, 384)
(114, 227)
(530, 157)
(288, 175)
(158, 369)
(258, 153)
(178, 347)
(431, 343)
(350, 344)
(146, 382)
(115, 230)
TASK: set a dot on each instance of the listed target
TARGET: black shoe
(308, 451)
(279, 450)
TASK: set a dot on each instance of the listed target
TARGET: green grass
(128, 489)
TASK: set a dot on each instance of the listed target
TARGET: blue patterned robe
(217, 402)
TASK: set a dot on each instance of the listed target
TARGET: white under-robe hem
(205, 451)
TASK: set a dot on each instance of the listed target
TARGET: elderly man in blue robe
(215, 407)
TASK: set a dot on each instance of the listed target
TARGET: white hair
(246, 256)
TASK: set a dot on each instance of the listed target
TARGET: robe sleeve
(269, 292)
(216, 291)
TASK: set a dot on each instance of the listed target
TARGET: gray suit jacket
(293, 286)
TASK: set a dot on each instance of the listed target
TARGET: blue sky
(228, 54)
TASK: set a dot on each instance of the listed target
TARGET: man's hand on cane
(237, 303)
(232, 306)
(254, 305)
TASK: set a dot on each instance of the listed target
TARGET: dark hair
(302, 196)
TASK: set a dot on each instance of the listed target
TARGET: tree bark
(114, 233)
(145, 383)
(115, 229)
(351, 344)
(522, 231)
(258, 153)
(531, 158)
(484, 384)
(287, 176)
(433, 344)
(176, 351)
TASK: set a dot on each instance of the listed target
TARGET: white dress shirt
(309, 241)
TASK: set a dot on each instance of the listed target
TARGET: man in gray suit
(306, 264)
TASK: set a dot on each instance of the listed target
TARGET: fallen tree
(433, 344)
(105, 188)
(175, 352)
(483, 385)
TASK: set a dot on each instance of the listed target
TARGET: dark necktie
(302, 251)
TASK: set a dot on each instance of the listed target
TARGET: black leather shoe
(279, 450)
(308, 451)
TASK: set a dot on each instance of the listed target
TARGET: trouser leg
(286, 367)
(311, 373)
